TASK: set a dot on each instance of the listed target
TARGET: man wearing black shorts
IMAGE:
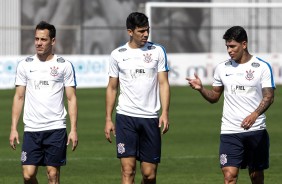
(248, 85)
(140, 69)
(40, 84)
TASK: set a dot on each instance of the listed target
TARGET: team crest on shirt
(147, 58)
(120, 148)
(54, 71)
(250, 75)
(23, 156)
(223, 159)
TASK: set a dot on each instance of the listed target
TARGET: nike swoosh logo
(228, 74)
(126, 59)
(32, 71)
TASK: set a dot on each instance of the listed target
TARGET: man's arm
(267, 100)
(18, 102)
(212, 95)
(165, 100)
(111, 94)
(72, 109)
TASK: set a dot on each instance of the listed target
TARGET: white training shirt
(243, 85)
(137, 70)
(45, 81)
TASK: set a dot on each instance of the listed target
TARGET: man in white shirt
(40, 84)
(140, 69)
(248, 86)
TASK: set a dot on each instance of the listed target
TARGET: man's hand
(109, 127)
(248, 122)
(74, 139)
(14, 135)
(163, 120)
(195, 83)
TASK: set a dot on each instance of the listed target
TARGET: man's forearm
(268, 98)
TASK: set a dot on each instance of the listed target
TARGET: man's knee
(53, 174)
(128, 171)
(28, 178)
(149, 172)
(230, 177)
(149, 175)
(230, 174)
(29, 174)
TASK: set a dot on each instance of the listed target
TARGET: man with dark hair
(248, 86)
(140, 69)
(40, 84)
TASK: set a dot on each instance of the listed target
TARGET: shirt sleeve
(21, 79)
(267, 79)
(162, 64)
(113, 67)
(69, 78)
(216, 77)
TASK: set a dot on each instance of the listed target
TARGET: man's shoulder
(257, 61)
(26, 61)
(155, 47)
(225, 63)
(29, 59)
(61, 60)
(122, 48)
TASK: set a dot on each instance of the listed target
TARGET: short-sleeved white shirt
(243, 85)
(137, 70)
(44, 81)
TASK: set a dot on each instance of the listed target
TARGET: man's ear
(245, 44)
(53, 41)
(129, 32)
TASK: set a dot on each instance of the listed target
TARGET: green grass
(190, 148)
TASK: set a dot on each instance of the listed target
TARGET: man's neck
(45, 57)
(245, 58)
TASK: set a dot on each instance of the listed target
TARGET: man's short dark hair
(136, 19)
(236, 33)
(45, 25)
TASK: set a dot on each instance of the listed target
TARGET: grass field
(190, 148)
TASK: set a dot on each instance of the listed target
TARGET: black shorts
(139, 138)
(44, 148)
(241, 150)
